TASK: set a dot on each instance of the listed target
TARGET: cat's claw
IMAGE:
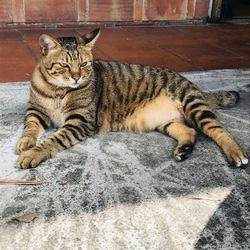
(238, 158)
(242, 163)
(182, 152)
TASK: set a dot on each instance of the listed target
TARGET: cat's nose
(76, 76)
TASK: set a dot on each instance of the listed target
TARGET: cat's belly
(153, 114)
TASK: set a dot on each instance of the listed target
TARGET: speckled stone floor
(124, 190)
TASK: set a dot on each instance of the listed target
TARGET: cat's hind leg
(184, 135)
(197, 111)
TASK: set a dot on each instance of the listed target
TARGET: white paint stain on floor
(167, 224)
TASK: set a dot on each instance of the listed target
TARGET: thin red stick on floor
(20, 182)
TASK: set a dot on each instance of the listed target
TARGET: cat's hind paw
(243, 163)
(238, 159)
(25, 143)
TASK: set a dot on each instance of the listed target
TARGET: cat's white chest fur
(55, 113)
(57, 118)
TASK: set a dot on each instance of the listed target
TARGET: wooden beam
(216, 10)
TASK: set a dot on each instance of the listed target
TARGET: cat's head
(67, 61)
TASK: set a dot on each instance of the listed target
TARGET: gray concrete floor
(124, 190)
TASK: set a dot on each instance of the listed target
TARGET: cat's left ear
(90, 39)
(47, 44)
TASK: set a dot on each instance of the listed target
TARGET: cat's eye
(64, 65)
(83, 64)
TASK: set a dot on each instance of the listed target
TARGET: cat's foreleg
(35, 124)
(184, 135)
(70, 134)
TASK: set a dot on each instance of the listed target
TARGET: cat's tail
(222, 99)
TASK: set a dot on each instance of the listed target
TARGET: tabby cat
(82, 97)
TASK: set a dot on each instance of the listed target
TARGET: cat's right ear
(90, 38)
(47, 44)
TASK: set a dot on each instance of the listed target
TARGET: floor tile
(124, 46)
(179, 47)
(222, 63)
(161, 36)
(191, 42)
(9, 36)
(200, 50)
(32, 37)
(16, 63)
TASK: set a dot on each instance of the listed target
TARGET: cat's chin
(74, 86)
(60, 85)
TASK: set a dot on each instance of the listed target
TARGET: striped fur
(82, 97)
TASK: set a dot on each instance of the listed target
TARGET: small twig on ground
(20, 182)
(206, 199)
(75, 179)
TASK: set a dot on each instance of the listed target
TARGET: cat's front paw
(30, 158)
(25, 143)
(182, 152)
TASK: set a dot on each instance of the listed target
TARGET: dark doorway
(235, 9)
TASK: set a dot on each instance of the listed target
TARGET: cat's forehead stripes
(68, 42)
(72, 45)
(72, 55)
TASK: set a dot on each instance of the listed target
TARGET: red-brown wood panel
(81, 9)
(50, 10)
(108, 10)
(59, 11)
(190, 9)
(165, 9)
(138, 10)
(18, 11)
(5, 11)
(201, 8)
